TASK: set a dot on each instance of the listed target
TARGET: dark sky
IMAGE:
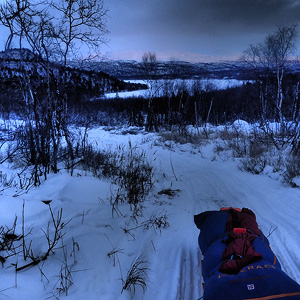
(191, 30)
(195, 30)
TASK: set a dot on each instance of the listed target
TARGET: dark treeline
(199, 107)
(183, 106)
(181, 109)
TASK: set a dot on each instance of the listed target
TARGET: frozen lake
(164, 87)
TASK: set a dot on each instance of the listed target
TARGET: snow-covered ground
(129, 94)
(161, 87)
(100, 249)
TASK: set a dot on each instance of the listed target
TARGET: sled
(257, 278)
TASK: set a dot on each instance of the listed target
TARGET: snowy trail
(172, 254)
(210, 185)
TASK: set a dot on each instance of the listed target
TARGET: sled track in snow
(190, 277)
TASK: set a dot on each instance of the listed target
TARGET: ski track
(190, 282)
(211, 185)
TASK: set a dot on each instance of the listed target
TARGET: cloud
(206, 27)
(219, 16)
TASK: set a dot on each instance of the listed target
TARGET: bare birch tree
(149, 63)
(273, 55)
(270, 60)
(53, 30)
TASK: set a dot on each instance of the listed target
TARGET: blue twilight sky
(191, 30)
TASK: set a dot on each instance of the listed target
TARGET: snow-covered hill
(100, 249)
(128, 69)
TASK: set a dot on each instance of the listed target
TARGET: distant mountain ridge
(130, 69)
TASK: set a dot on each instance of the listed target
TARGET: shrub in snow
(14, 246)
(157, 222)
(169, 192)
(134, 176)
(183, 135)
(128, 168)
(114, 254)
(99, 163)
(237, 145)
(65, 280)
(5, 181)
(292, 170)
(115, 200)
(136, 275)
(8, 237)
(253, 165)
(257, 147)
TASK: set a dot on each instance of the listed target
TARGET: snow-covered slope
(100, 249)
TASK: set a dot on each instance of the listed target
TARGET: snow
(128, 94)
(201, 182)
(242, 126)
(159, 86)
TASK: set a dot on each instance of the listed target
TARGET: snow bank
(242, 126)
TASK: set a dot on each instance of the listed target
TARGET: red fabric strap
(239, 230)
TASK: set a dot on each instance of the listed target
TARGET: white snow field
(100, 249)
